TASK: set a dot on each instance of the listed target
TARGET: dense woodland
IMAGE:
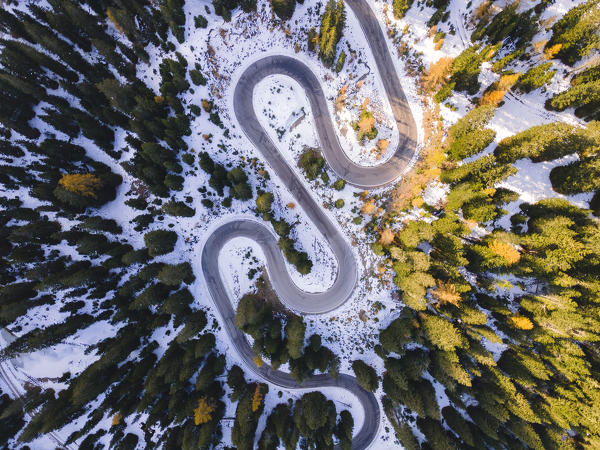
(504, 322)
(69, 73)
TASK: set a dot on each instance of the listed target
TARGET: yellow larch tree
(382, 145)
(366, 123)
(551, 52)
(521, 322)
(492, 97)
(257, 398)
(387, 237)
(258, 361)
(85, 184)
(446, 293)
(538, 46)
(482, 13)
(437, 74)
(505, 251)
(203, 413)
(340, 102)
(368, 207)
(497, 91)
(507, 81)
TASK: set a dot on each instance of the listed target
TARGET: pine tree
(120, 96)
(236, 381)
(178, 303)
(576, 32)
(294, 330)
(172, 12)
(535, 77)
(548, 142)
(315, 416)
(245, 423)
(174, 274)
(400, 7)
(366, 375)
(194, 324)
(579, 176)
(344, 430)
(331, 30)
(441, 333)
(437, 437)
(312, 163)
(459, 425)
(160, 242)
(465, 71)
(122, 21)
(284, 9)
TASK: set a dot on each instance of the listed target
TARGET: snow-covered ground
(223, 51)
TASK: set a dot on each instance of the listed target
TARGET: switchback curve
(363, 177)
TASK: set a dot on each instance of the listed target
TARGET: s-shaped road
(363, 177)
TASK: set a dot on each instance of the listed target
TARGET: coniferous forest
(489, 337)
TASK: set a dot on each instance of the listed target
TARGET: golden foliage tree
(437, 74)
(257, 398)
(492, 97)
(258, 361)
(382, 145)
(387, 237)
(366, 123)
(85, 184)
(428, 165)
(368, 207)
(207, 105)
(365, 126)
(446, 293)
(521, 322)
(365, 103)
(507, 81)
(340, 101)
(495, 93)
(482, 13)
(551, 52)
(203, 413)
(504, 250)
(116, 419)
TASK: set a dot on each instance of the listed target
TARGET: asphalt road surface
(363, 177)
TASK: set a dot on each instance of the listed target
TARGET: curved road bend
(265, 238)
(363, 177)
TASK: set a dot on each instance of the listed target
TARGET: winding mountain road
(363, 177)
